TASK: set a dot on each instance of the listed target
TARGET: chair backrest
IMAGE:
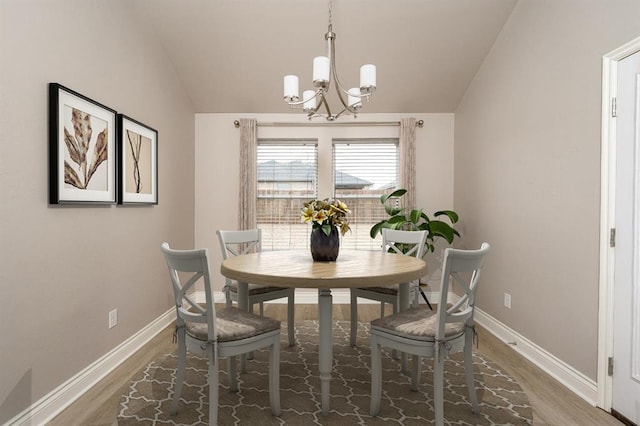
(462, 267)
(410, 243)
(186, 268)
(233, 243)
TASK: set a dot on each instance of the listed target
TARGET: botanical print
(86, 150)
(138, 163)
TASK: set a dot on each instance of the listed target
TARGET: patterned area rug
(502, 401)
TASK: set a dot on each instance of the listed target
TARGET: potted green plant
(416, 220)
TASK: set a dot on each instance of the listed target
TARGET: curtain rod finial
(236, 123)
(420, 123)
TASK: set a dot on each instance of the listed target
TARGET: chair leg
(243, 364)
(291, 314)
(354, 319)
(261, 304)
(227, 292)
(381, 309)
(438, 385)
(274, 376)
(182, 361)
(233, 373)
(468, 366)
(213, 387)
(415, 373)
(376, 377)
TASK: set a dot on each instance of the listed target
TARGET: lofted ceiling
(231, 55)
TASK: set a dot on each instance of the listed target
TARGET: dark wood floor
(552, 403)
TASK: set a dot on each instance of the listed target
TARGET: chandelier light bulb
(291, 90)
(309, 100)
(368, 78)
(354, 100)
(321, 71)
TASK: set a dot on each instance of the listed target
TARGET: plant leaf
(71, 177)
(82, 128)
(72, 146)
(395, 194)
(453, 216)
(99, 153)
(415, 216)
(375, 229)
(442, 229)
(392, 211)
(397, 219)
(326, 228)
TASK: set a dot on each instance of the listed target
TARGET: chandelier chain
(330, 15)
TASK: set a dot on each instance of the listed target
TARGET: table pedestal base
(325, 318)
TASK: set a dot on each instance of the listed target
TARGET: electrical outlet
(113, 318)
(507, 300)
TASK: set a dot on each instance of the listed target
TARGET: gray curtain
(407, 147)
(248, 178)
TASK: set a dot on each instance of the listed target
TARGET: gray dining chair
(424, 333)
(233, 243)
(213, 334)
(408, 243)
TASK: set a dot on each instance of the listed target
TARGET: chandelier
(324, 69)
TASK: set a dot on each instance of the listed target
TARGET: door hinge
(610, 366)
(614, 107)
(612, 237)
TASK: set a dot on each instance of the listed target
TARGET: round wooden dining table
(297, 269)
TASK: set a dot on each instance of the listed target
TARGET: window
(363, 170)
(292, 171)
(287, 173)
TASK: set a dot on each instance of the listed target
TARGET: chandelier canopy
(324, 69)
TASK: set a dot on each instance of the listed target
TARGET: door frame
(607, 219)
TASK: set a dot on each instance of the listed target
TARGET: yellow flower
(320, 216)
(342, 206)
(306, 215)
(324, 213)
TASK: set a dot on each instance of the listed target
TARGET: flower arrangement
(326, 213)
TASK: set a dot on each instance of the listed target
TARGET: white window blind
(363, 170)
(287, 178)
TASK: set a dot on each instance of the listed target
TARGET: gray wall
(62, 269)
(527, 169)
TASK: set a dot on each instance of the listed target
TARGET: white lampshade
(354, 101)
(320, 70)
(367, 78)
(309, 100)
(291, 91)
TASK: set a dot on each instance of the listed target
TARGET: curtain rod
(236, 124)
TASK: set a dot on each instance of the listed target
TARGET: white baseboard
(568, 376)
(64, 395)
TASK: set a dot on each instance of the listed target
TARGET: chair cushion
(417, 324)
(234, 324)
(254, 288)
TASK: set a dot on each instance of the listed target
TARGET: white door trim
(607, 218)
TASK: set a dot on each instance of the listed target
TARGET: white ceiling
(231, 55)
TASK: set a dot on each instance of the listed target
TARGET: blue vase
(325, 248)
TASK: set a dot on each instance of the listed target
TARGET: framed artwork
(138, 159)
(82, 148)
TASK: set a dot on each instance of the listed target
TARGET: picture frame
(138, 162)
(82, 149)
